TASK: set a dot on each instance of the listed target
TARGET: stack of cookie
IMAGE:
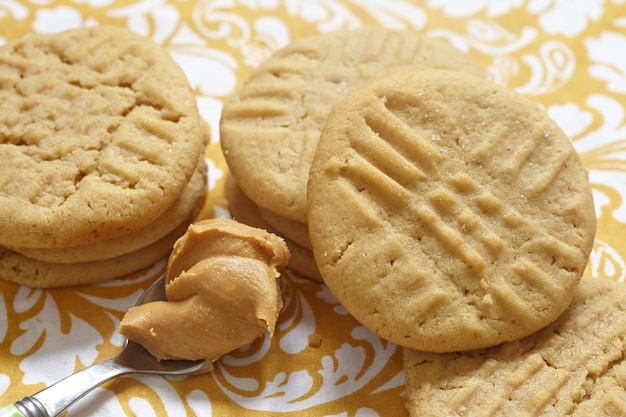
(101, 156)
(271, 126)
(448, 214)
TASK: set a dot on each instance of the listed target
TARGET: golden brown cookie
(100, 133)
(270, 126)
(245, 211)
(447, 212)
(573, 367)
(187, 206)
(17, 268)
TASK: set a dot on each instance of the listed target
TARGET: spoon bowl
(53, 400)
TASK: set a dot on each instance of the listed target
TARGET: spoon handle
(51, 401)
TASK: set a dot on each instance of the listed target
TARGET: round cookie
(187, 206)
(99, 134)
(447, 212)
(19, 269)
(573, 367)
(270, 126)
(245, 211)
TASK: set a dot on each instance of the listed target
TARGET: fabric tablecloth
(569, 56)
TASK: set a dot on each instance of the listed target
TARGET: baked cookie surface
(447, 212)
(99, 134)
(185, 208)
(270, 126)
(573, 367)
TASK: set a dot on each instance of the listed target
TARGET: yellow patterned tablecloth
(567, 55)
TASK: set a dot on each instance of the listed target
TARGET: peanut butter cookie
(447, 212)
(99, 134)
(573, 367)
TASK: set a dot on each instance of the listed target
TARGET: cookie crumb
(315, 340)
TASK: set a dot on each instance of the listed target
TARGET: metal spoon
(134, 358)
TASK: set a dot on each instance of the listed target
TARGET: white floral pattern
(563, 54)
(454, 8)
(566, 17)
(46, 325)
(607, 64)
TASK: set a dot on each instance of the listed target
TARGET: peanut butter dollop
(221, 292)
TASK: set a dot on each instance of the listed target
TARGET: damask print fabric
(566, 55)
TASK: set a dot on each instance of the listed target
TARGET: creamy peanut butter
(221, 293)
